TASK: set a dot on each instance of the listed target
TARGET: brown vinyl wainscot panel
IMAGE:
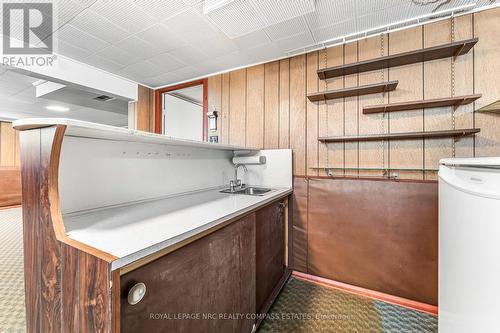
(376, 234)
(299, 224)
(10, 185)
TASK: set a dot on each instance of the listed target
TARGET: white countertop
(133, 231)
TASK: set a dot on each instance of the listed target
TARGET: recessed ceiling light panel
(57, 108)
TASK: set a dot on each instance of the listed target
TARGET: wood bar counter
(200, 254)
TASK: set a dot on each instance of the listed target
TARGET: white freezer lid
(476, 176)
(476, 161)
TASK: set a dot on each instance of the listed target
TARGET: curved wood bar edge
(67, 283)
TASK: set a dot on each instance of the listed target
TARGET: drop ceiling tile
(419, 8)
(334, 31)
(264, 53)
(103, 63)
(71, 51)
(191, 26)
(185, 73)
(138, 47)
(140, 70)
(381, 18)
(125, 14)
(252, 39)
(66, 10)
(330, 12)
(237, 18)
(188, 55)
(160, 36)
(167, 78)
(368, 7)
(162, 9)
(294, 42)
(81, 39)
(166, 62)
(273, 11)
(118, 55)
(97, 25)
(288, 28)
(152, 82)
(216, 47)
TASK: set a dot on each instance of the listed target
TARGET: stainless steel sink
(249, 191)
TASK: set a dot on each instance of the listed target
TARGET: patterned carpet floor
(301, 307)
(12, 316)
(306, 307)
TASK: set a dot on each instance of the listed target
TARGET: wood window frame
(158, 101)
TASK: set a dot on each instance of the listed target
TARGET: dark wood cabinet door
(207, 279)
(270, 251)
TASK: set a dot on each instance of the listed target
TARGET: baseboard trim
(9, 207)
(376, 295)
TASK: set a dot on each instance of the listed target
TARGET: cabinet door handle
(136, 293)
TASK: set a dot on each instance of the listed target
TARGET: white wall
(182, 119)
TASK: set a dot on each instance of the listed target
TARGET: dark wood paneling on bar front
(66, 289)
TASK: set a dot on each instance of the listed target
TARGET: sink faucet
(236, 183)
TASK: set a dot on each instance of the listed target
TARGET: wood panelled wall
(141, 114)
(9, 145)
(10, 176)
(266, 106)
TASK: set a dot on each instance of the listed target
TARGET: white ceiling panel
(191, 27)
(288, 28)
(167, 78)
(188, 71)
(335, 31)
(368, 7)
(167, 62)
(138, 47)
(237, 18)
(188, 55)
(329, 12)
(382, 17)
(143, 69)
(125, 14)
(252, 39)
(99, 26)
(216, 47)
(72, 51)
(67, 10)
(158, 42)
(295, 42)
(118, 55)
(162, 9)
(276, 11)
(103, 63)
(81, 39)
(162, 37)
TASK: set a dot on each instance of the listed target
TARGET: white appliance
(469, 245)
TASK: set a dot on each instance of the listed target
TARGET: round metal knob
(136, 293)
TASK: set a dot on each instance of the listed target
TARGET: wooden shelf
(431, 53)
(353, 91)
(374, 169)
(402, 136)
(428, 103)
(491, 108)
